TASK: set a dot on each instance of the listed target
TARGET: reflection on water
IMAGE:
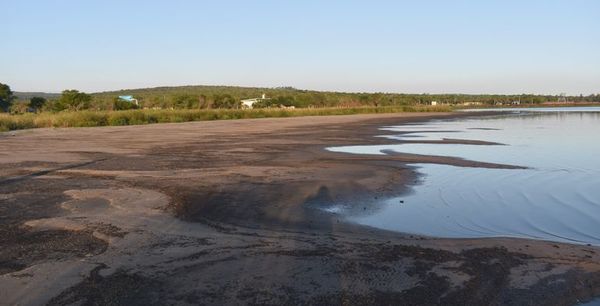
(557, 198)
(595, 302)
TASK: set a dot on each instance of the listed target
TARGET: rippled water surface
(556, 198)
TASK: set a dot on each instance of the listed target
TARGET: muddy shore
(224, 212)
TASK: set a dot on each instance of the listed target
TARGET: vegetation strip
(138, 117)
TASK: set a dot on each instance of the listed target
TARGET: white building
(249, 103)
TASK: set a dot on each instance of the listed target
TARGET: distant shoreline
(92, 118)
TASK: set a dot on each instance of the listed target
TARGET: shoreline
(241, 191)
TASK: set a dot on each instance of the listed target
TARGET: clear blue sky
(477, 46)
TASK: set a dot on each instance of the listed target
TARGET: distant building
(516, 102)
(434, 103)
(249, 103)
(129, 99)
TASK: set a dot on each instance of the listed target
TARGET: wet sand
(224, 212)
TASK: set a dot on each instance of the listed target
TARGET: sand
(224, 212)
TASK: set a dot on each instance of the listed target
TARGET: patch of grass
(137, 117)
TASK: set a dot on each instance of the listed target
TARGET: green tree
(119, 104)
(36, 103)
(283, 100)
(6, 97)
(73, 100)
(185, 101)
(225, 101)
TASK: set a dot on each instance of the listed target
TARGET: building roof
(127, 98)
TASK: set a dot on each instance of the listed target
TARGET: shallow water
(595, 302)
(556, 198)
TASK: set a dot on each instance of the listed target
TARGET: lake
(557, 196)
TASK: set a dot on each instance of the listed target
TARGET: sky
(427, 46)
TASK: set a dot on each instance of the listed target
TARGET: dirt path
(224, 213)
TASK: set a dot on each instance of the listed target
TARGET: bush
(119, 104)
(18, 108)
(37, 103)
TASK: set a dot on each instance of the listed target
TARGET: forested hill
(198, 97)
(29, 95)
(194, 96)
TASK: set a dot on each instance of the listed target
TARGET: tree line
(229, 97)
